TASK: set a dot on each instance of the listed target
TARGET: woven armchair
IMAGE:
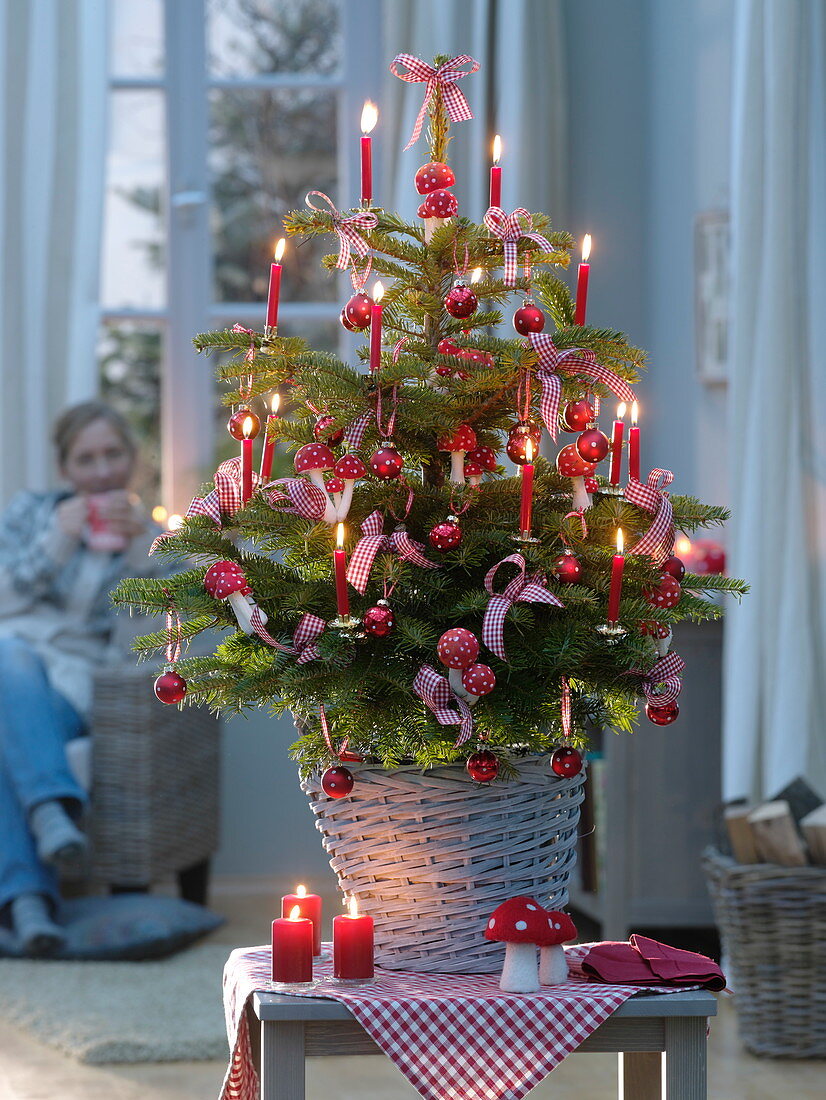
(155, 787)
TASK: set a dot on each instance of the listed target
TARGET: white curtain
(53, 70)
(775, 708)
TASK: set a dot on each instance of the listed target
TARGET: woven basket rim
(733, 868)
(358, 766)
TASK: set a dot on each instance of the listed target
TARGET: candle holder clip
(525, 537)
(612, 632)
(345, 623)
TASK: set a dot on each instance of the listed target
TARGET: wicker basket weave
(430, 855)
(772, 923)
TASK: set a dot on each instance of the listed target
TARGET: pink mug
(98, 535)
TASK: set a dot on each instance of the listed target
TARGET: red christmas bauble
(479, 680)
(577, 415)
(445, 536)
(327, 430)
(346, 324)
(379, 620)
(460, 301)
(458, 648)
(674, 566)
(662, 716)
(387, 463)
(593, 445)
(566, 761)
(337, 782)
(518, 437)
(434, 176)
(528, 318)
(483, 766)
(668, 593)
(358, 312)
(567, 568)
(235, 424)
(170, 687)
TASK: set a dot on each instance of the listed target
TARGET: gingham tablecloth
(452, 1036)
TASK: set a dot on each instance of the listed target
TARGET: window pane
(133, 253)
(253, 37)
(267, 150)
(129, 358)
(136, 37)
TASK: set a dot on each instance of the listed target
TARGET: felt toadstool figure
(477, 680)
(473, 472)
(553, 966)
(457, 443)
(522, 925)
(457, 650)
(225, 580)
(571, 464)
(314, 459)
(350, 469)
(335, 487)
(484, 457)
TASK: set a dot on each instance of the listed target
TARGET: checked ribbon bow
(309, 629)
(511, 229)
(346, 228)
(553, 362)
(520, 590)
(372, 541)
(225, 498)
(658, 540)
(663, 682)
(444, 78)
(449, 710)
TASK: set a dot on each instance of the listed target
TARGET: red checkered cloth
(450, 1035)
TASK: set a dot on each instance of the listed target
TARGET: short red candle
(615, 471)
(309, 906)
(582, 282)
(369, 117)
(268, 453)
(527, 492)
(340, 564)
(617, 567)
(375, 328)
(353, 945)
(246, 462)
(274, 291)
(496, 174)
(634, 446)
(292, 949)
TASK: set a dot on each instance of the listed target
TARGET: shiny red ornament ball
(458, 648)
(566, 761)
(386, 463)
(567, 568)
(346, 324)
(445, 536)
(528, 318)
(593, 445)
(170, 687)
(327, 430)
(483, 767)
(667, 594)
(517, 445)
(235, 424)
(460, 301)
(433, 177)
(337, 782)
(577, 415)
(662, 716)
(675, 567)
(379, 620)
(357, 312)
(479, 679)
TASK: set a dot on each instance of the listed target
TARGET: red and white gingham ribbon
(309, 629)
(519, 590)
(565, 707)
(449, 710)
(553, 362)
(658, 540)
(173, 634)
(354, 432)
(663, 682)
(306, 499)
(510, 228)
(444, 78)
(346, 228)
(578, 514)
(397, 347)
(225, 498)
(372, 541)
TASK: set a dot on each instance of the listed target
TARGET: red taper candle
(617, 567)
(269, 439)
(634, 446)
(309, 906)
(582, 282)
(527, 492)
(353, 945)
(274, 292)
(292, 948)
(496, 174)
(246, 460)
(615, 470)
(340, 566)
(369, 117)
(375, 328)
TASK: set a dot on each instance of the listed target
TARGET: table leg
(640, 1075)
(685, 1058)
(282, 1060)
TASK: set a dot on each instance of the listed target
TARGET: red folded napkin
(643, 961)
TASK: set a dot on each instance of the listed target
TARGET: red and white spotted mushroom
(477, 680)
(437, 208)
(473, 472)
(522, 925)
(314, 460)
(350, 469)
(482, 456)
(457, 443)
(661, 633)
(433, 176)
(553, 966)
(571, 464)
(458, 649)
(225, 580)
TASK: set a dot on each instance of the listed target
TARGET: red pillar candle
(496, 174)
(246, 460)
(309, 906)
(634, 446)
(617, 567)
(275, 286)
(369, 117)
(527, 492)
(615, 471)
(269, 439)
(375, 327)
(582, 282)
(340, 563)
(292, 948)
(353, 945)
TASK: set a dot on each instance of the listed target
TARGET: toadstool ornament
(482, 456)
(458, 443)
(473, 472)
(458, 649)
(477, 680)
(335, 487)
(314, 459)
(553, 966)
(571, 464)
(433, 177)
(521, 924)
(349, 469)
(437, 208)
(225, 580)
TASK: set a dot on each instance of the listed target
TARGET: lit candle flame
(497, 149)
(586, 247)
(159, 513)
(301, 891)
(621, 409)
(353, 906)
(175, 522)
(281, 244)
(529, 450)
(247, 426)
(683, 547)
(369, 116)
(476, 275)
(340, 536)
(295, 912)
(378, 291)
(620, 541)
(275, 402)
(634, 411)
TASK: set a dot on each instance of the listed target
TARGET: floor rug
(107, 1012)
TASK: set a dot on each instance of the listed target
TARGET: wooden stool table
(641, 1030)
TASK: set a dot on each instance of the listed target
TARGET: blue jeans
(35, 723)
